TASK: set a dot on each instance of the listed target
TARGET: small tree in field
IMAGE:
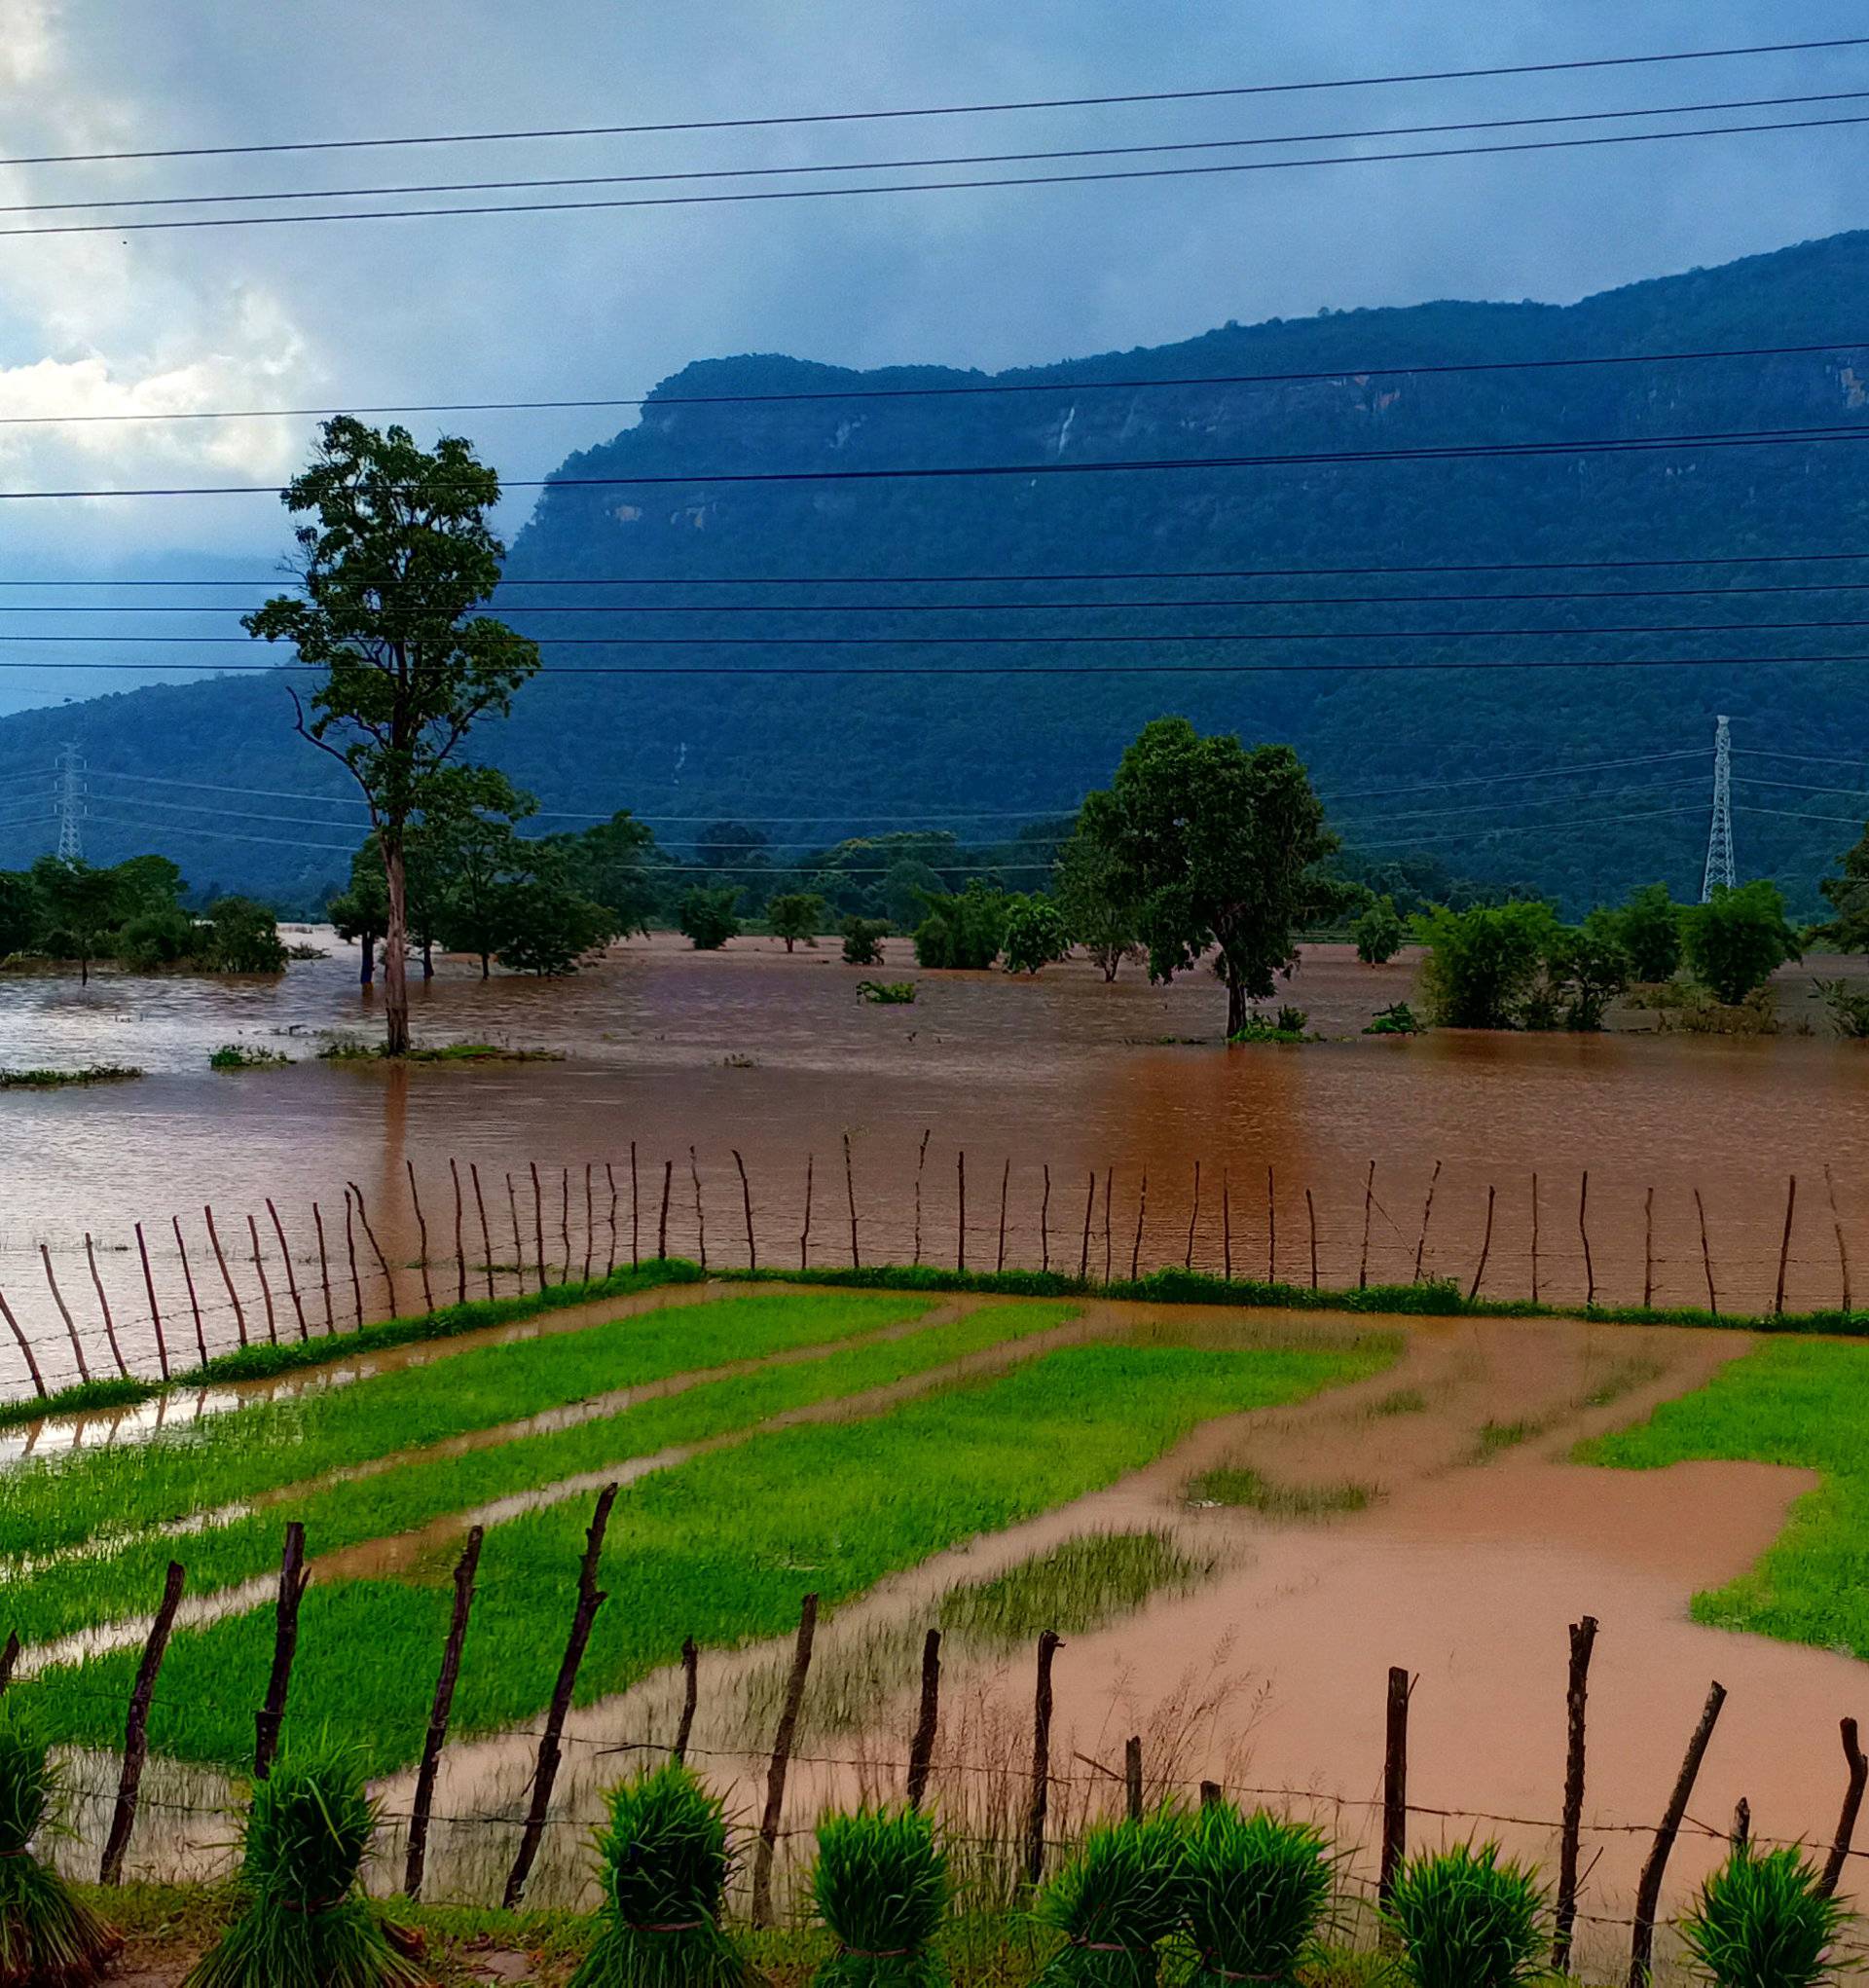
(79, 908)
(1377, 932)
(1650, 931)
(794, 915)
(863, 941)
(707, 917)
(1096, 915)
(1483, 965)
(1035, 936)
(1737, 940)
(400, 557)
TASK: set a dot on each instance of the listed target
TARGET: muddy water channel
(776, 1056)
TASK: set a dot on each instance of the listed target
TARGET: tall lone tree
(400, 557)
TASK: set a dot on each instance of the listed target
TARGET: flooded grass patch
(1077, 1587)
(58, 1080)
(718, 1548)
(1398, 1401)
(1236, 1486)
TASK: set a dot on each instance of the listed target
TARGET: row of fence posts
(588, 1599)
(356, 1215)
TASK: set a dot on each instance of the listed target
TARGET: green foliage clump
(1073, 1588)
(793, 916)
(1115, 1902)
(1737, 940)
(888, 993)
(665, 1866)
(880, 1885)
(1090, 890)
(1764, 1921)
(242, 937)
(1846, 1005)
(164, 937)
(1287, 1025)
(1255, 1893)
(1484, 963)
(1034, 934)
(706, 916)
(1378, 933)
(1396, 1020)
(962, 931)
(1589, 965)
(47, 1936)
(548, 928)
(863, 941)
(245, 1057)
(1649, 926)
(57, 1080)
(1465, 1919)
(304, 1923)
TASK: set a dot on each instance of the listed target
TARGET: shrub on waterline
(665, 1869)
(881, 1885)
(46, 1935)
(1253, 1893)
(1761, 1920)
(305, 1923)
(1115, 1901)
(1466, 1920)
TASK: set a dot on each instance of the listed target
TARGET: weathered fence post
(1395, 1783)
(1226, 1223)
(662, 1224)
(1142, 1210)
(1108, 1185)
(635, 1215)
(590, 1222)
(1583, 1639)
(1649, 1891)
(1006, 1182)
(746, 1202)
(104, 1304)
(1090, 1209)
(350, 1251)
(539, 1223)
(850, 1194)
(1369, 1207)
(291, 1276)
(1784, 1247)
(240, 1316)
(1583, 1232)
(959, 1211)
(1706, 1256)
(1049, 1644)
(565, 1222)
(26, 1348)
(1648, 1250)
(485, 1234)
(610, 1181)
(1194, 1216)
(1311, 1211)
(1045, 1224)
(266, 1289)
(422, 1235)
(1132, 1777)
(1271, 1231)
(1852, 1804)
(921, 1748)
(1836, 1223)
(805, 1232)
(376, 1250)
(8, 1657)
(1534, 1238)
(690, 1698)
(921, 1160)
(590, 1599)
(781, 1761)
(1427, 1209)
(136, 1729)
(460, 1244)
(1211, 1794)
(519, 1247)
(193, 1304)
(439, 1713)
(64, 1312)
(155, 1309)
(1486, 1250)
(700, 1213)
(1742, 1831)
(285, 1643)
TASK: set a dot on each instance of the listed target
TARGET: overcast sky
(547, 305)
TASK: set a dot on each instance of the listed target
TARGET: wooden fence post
(690, 1698)
(1583, 1639)
(590, 1222)
(1369, 1206)
(1486, 1250)
(240, 1316)
(539, 1223)
(26, 1347)
(136, 1729)
(64, 1312)
(1226, 1223)
(1648, 1250)
(104, 1304)
(421, 1235)
(1211, 1794)
(1142, 1210)
(781, 1761)
(746, 1202)
(291, 1276)
(1109, 1183)
(1395, 1783)
(285, 1643)
(635, 1215)
(805, 1232)
(1851, 1803)
(8, 1657)
(1583, 1232)
(1271, 1231)
(960, 1216)
(1784, 1247)
(519, 1247)
(376, 1250)
(700, 1213)
(1742, 1833)
(1045, 1224)
(188, 1277)
(850, 1194)
(325, 1266)
(460, 1244)
(1006, 1182)
(1649, 1891)
(1427, 1209)
(350, 1251)
(1836, 1223)
(565, 1222)
(1706, 1256)
(1090, 1209)
(590, 1599)
(921, 1160)
(662, 1225)
(266, 1289)
(1049, 1644)
(921, 1748)
(155, 1309)
(1534, 1238)
(1194, 1216)
(1311, 1211)
(1132, 1777)
(439, 1713)
(610, 1181)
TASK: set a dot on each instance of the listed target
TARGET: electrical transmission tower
(69, 793)
(1719, 836)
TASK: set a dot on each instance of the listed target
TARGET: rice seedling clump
(1115, 1902)
(880, 1885)
(665, 1867)
(1254, 1893)
(306, 1925)
(1762, 1921)
(46, 1934)
(1467, 1920)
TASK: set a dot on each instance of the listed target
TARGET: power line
(832, 193)
(1523, 801)
(1713, 438)
(948, 110)
(1359, 369)
(1534, 827)
(927, 164)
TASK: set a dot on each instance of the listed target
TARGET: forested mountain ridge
(1411, 758)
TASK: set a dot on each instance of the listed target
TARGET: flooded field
(775, 1056)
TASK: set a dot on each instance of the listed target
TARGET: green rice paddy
(719, 1546)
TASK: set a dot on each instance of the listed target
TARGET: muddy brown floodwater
(777, 1056)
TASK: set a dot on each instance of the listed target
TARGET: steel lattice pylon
(1719, 836)
(69, 793)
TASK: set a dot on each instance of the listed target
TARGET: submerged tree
(1378, 933)
(1650, 931)
(794, 915)
(1034, 934)
(1483, 965)
(399, 560)
(1096, 915)
(1737, 940)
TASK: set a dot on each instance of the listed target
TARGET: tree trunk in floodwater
(367, 960)
(1235, 1006)
(486, 971)
(428, 959)
(395, 956)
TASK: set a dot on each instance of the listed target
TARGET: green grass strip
(75, 1594)
(1803, 1402)
(719, 1548)
(62, 1501)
